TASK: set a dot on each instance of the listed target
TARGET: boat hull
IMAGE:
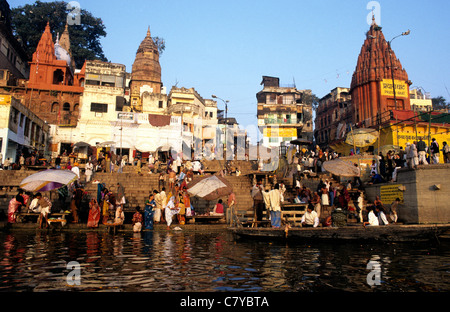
(390, 233)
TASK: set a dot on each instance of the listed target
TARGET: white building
(21, 131)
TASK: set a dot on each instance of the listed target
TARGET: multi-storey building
(13, 58)
(333, 117)
(21, 131)
(283, 114)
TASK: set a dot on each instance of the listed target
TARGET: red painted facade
(374, 67)
(53, 90)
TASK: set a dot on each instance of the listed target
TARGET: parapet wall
(425, 192)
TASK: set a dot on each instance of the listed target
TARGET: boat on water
(389, 233)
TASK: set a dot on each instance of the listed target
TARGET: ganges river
(183, 261)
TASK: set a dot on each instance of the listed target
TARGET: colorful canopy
(48, 180)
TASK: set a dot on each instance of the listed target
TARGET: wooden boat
(389, 233)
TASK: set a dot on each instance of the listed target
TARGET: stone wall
(426, 194)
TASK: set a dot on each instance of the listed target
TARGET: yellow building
(403, 127)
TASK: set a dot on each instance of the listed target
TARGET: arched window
(55, 107)
(66, 107)
(58, 77)
(76, 109)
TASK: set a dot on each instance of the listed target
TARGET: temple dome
(62, 54)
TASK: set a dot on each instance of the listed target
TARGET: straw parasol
(341, 168)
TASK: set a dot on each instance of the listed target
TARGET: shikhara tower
(146, 72)
(371, 87)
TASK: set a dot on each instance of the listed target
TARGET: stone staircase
(137, 188)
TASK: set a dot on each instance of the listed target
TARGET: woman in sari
(150, 204)
(94, 214)
(13, 208)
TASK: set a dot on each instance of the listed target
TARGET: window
(120, 103)
(66, 107)
(160, 104)
(99, 107)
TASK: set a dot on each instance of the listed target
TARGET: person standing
(75, 204)
(45, 207)
(434, 151)
(76, 170)
(158, 206)
(94, 214)
(275, 206)
(315, 201)
(120, 195)
(58, 162)
(422, 152)
(258, 202)
(89, 168)
(149, 211)
(446, 152)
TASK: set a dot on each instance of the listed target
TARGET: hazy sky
(225, 47)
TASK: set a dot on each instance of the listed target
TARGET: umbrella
(106, 143)
(210, 187)
(164, 148)
(81, 144)
(341, 168)
(48, 180)
(362, 137)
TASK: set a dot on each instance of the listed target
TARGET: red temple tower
(371, 88)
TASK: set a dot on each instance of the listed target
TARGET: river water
(183, 261)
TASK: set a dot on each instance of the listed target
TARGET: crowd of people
(327, 205)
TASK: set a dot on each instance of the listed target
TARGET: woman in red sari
(94, 214)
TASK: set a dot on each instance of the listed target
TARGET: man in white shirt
(275, 206)
(310, 218)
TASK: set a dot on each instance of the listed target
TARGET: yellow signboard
(388, 193)
(5, 99)
(401, 88)
(280, 132)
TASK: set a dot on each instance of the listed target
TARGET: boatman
(258, 203)
(310, 218)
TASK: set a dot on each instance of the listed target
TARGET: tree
(440, 103)
(29, 21)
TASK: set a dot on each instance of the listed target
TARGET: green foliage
(29, 21)
(440, 103)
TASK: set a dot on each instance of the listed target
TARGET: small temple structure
(54, 87)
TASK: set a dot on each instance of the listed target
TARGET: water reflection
(188, 261)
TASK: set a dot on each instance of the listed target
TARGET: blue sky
(225, 47)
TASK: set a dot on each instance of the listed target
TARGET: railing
(271, 121)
